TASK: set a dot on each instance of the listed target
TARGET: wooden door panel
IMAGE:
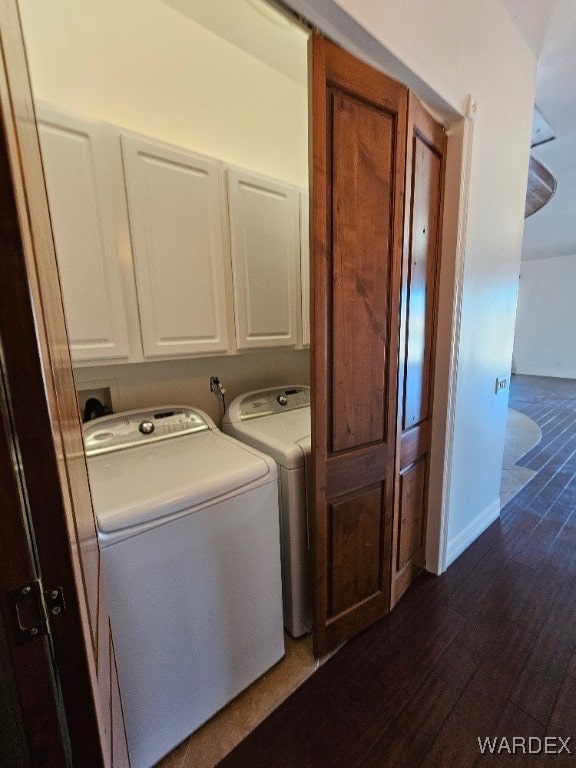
(410, 530)
(415, 443)
(345, 472)
(356, 526)
(420, 296)
(425, 157)
(362, 169)
(412, 502)
(358, 139)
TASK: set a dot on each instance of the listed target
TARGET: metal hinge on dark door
(33, 607)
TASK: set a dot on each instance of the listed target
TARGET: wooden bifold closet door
(358, 151)
(425, 162)
(373, 266)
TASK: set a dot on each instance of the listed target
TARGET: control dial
(282, 399)
(146, 427)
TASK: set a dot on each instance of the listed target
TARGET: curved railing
(541, 187)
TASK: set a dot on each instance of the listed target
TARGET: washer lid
(284, 436)
(152, 481)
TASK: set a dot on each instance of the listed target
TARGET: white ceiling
(549, 28)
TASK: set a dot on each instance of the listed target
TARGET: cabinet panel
(264, 223)
(174, 203)
(83, 222)
(305, 265)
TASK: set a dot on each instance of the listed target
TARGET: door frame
(454, 227)
(34, 733)
(44, 416)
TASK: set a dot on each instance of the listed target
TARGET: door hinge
(32, 608)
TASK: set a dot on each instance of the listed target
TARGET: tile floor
(207, 746)
(522, 434)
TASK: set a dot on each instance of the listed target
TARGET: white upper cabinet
(155, 262)
(264, 221)
(305, 265)
(175, 210)
(85, 231)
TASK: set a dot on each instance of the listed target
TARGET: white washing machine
(190, 544)
(277, 422)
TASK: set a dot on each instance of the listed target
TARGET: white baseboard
(462, 540)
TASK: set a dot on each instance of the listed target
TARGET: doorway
(274, 104)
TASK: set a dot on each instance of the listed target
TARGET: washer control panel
(271, 401)
(133, 428)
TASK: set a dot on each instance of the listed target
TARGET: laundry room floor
(209, 744)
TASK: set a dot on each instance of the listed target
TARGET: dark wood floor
(486, 649)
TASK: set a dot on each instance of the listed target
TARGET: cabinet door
(175, 211)
(305, 266)
(83, 222)
(264, 240)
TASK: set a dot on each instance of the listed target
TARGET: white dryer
(277, 422)
(189, 537)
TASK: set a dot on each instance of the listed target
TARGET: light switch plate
(501, 383)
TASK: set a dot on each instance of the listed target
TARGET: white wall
(187, 382)
(144, 66)
(546, 321)
(147, 67)
(446, 51)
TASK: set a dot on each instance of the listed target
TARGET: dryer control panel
(276, 400)
(132, 428)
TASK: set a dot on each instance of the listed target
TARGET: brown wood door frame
(43, 411)
(41, 739)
